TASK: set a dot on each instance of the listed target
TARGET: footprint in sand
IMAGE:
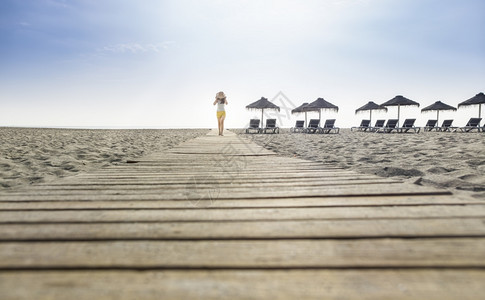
(440, 170)
(393, 171)
(473, 178)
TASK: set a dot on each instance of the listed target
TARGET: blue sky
(120, 63)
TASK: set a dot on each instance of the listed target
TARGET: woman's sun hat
(220, 95)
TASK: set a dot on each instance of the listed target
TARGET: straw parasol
(478, 99)
(262, 104)
(299, 109)
(370, 106)
(438, 106)
(400, 101)
(320, 104)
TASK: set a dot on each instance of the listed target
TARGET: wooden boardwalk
(222, 218)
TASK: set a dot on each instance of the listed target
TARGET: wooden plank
(153, 196)
(176, 182)
(184, 161)
(201, 183)
(243, 203)
(280, 229)
(218, 160)
(241, 214)
(246, 284)
(240, 170)
(221, 179)
(236, 175)
(258, 191)
(201, 152)
(374, 253)
(233, 175)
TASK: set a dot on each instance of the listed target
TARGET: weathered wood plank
(241, 171)
(154, 196)
(243, 203)
(223, 181)
(168, 160)
(201, 183)
(258, 191)
(230, 176)
(241, 214)
(216, 175)
(388, 253)
(251, 284)
(280, 229)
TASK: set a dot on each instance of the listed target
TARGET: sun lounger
(473, 123)
(430, 125)
(271, 126)
(312, 126)
(364, 126)
(379, 125)
(299, 127)
(407, 126)
(253, 126)
(446, 126)
(389, 127)
(329, 127)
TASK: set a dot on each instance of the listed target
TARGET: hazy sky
(160, 63)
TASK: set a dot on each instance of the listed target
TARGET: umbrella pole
(438, 117)
(479, 113)
(370, 116)
(398, 113)
(305, 119)
(262, 121)
(320, 116)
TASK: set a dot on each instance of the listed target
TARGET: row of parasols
(321, 104)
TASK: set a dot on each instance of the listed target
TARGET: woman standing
(221, 112)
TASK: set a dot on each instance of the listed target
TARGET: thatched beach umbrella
(370, 106)
(438, 106)
(479, 99)
(320, 104)
(299, 109)
(400, 101)
(262, 104)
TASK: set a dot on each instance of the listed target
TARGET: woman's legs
(221, 115)
(221, 126)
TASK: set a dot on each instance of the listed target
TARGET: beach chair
(379, 125)
(364, 126)
(407, 126)
(299, 127)
(430, 125)
(446, 126)
(312, 126)
(329, 127)
(389, 127)
(253, 126)
(473, 123)
(271, 126)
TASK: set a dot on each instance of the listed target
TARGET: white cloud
(136, 48)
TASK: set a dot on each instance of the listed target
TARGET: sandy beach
(33, 155)
(454, 161)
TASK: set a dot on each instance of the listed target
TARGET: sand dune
(30, 155)
(455, 161)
